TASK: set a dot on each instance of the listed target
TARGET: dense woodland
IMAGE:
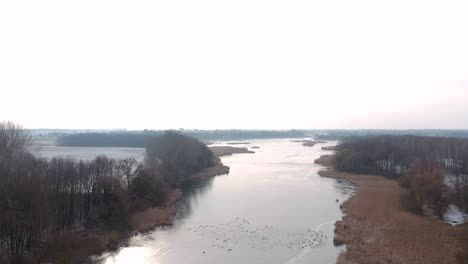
(40, 197)
(435, 169)
(112, 139)
(340, 134)
(139, 139)
(123, 138)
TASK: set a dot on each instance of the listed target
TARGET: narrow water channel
(272, 207)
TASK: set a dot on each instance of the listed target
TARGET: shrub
(147, 190)
(427, 188)
(176, 157)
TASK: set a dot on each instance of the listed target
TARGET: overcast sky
(234, 64)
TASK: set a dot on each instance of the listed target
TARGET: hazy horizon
(247, 129)
(306, 131)
(244, 64)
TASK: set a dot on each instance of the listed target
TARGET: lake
(272, 207)
(89, 153)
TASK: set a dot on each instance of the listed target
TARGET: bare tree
(128, 169)
(14, 141)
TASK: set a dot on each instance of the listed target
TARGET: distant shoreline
(376, 229)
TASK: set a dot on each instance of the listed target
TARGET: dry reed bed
(376, 229)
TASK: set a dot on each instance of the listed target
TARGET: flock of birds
(241, 233)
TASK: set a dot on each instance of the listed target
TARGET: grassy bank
(376, 227)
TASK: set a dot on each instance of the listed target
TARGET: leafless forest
(433, 169)
(40, 198)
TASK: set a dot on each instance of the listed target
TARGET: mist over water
(272, 208)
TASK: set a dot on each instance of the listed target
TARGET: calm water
(89, 153)
(272, 208)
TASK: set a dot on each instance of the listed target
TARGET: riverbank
(377, 229)
(76, 247)
(221, 151)
(324, 160)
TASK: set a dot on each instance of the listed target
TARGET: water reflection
(190, 198)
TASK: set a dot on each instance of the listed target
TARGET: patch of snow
(454, 216)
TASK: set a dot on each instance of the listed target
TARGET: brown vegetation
(215, 170)
(421, 163)
(152, 217)
(427, 189)
(308, 142)
(75, 247)
(325, 160)
(74, 208)
(377, 229)
(221, 151)
(462, 256)
(423, 166)
(333, 148)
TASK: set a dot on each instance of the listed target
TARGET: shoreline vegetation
(139, 139)
(379, 226)
(64, 210)
(324, 160)
(330, 148)
(376, 229)
(309, 142)
(78, 247)
(221, 151)
(238, 143)
(153, 217)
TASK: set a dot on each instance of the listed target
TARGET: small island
(221, 151)
(309, 142)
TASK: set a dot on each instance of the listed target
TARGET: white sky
(234, 64)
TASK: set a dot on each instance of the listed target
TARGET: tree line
(140, 139)
(340, 134)
(435, 169)
(41, 197)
